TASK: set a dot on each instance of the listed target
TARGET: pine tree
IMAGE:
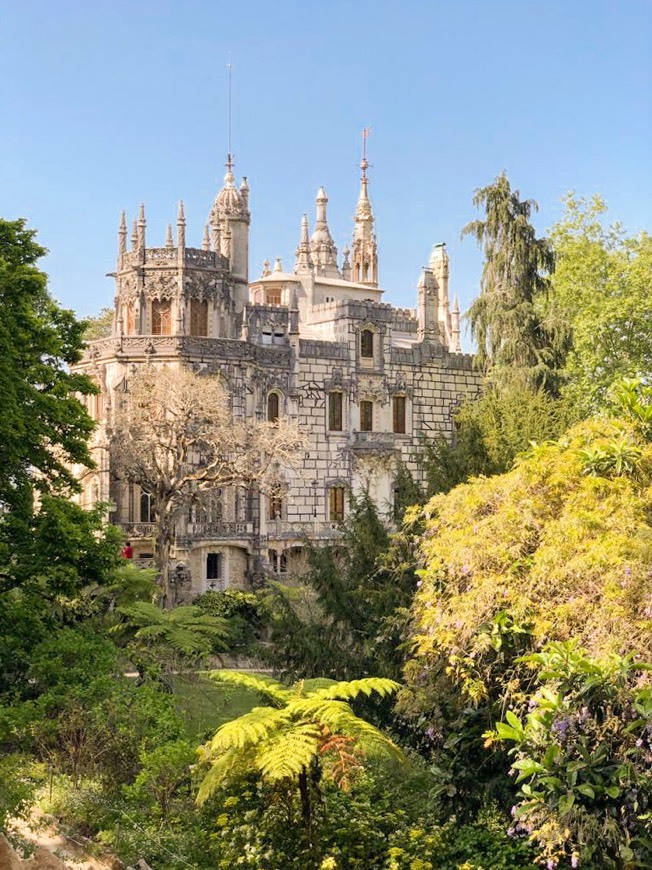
(507, 321)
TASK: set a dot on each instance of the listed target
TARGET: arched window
(161, 318)
(398, 413)
(367, 344)
(335, 415)
(198, 317)
(336, 504)
(272, 407)
(147, 514)
(366, 416)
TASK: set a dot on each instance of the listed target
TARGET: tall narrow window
(366, 416)
(214, 566)
(335, 412)
(273, 296)
(272, 407)
(147, 508)
(275, 507)
(398, 408)
(198, 317)
(161, 318)
(336, 504)
(367, 344)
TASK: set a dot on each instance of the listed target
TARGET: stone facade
(365, 380)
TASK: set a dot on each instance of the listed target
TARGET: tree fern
(293, 735)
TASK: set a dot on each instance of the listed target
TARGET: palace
(365, 380)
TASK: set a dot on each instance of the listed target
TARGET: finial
(181, 230)
(364, 163)
(278, 265)
(141, 226)
(305, 238)
(169, 243)
(215, 233)
(321, 195)
(181, 218)
(134, 236)
(207, 241)
(456, 304)
(244, 190)
(122, 234)
(266, 270)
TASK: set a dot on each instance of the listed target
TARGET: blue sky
(108, 103)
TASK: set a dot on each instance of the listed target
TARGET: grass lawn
(205, 705)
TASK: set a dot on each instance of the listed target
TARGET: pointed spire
(365, 251)
(303, 263)
(346, 265)
(244, 191)
(134, 236)
(169, 242)
(216, 243)
(324, 252)
(455, 326)
(181, 227)
(122, 235)
(206, 244)
(142, 224)
(266, 270)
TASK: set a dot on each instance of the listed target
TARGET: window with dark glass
(335, 418)
(398, 407)
(275, 507)
(272, 407)
(336, 504)
(273, 296)
(214, 566)
(147, 508)
(366, 416)
(367, 344)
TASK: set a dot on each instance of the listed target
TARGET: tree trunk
(164, 536)
(307, 814)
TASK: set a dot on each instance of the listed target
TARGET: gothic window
(275, 507)
(367, 344)
(336, 504)
(213, 566)
(198, 317)
(273, 296)
(161, 318)
(398, 413)
(146, 508)
(366, 416)
(272, 407)
(335, 416)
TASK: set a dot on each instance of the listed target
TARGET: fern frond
(248, 729)
(290, 752)
(262, 683)
(348, 691)
(223, 769)
(315, 684)
(144, 613)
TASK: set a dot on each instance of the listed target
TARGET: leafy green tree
(186, 632)
(99, 326)
(514, 341)
(342, 618)
(44, 427)
(558, 547)
(582, 757)
(601, 293)
(307, 732)
(491, 431)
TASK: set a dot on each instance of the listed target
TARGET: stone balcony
(369, 441)
(281, 530)
(138, 530)
(220, 531)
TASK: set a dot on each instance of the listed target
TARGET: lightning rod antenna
(230, 156)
